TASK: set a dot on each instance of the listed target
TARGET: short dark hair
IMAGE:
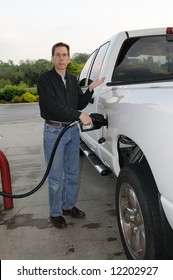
(60, 44)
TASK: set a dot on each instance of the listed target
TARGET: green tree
(80, 58)
(4, 82)
(74, 68)
(28, 71)
(11, 72)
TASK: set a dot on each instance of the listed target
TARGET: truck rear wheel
(138, 214)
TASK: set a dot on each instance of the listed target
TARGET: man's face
(60, 58)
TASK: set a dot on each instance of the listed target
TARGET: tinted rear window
(144, 59)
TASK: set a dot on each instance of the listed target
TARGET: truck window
(92, 67)
(144, 59)
(96, 68)
(85, 71)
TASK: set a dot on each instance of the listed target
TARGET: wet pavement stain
(110, 239)
(111, 212)
(26, 220)
(114, 255)
(109, 204)
(118, 254)
(2, 216)
(92, 225)
(71, 249)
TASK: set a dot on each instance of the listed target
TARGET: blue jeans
(63, 179)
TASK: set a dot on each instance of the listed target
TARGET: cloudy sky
(29, 28)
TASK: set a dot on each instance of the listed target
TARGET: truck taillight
(169, 33)
(169, 30)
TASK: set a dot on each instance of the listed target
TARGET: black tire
(138, 214)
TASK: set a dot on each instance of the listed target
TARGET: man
(61, 101)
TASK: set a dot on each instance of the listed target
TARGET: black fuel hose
(47, 170)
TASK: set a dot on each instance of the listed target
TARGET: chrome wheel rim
(132, 222)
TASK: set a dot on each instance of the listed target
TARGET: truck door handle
(91, 100)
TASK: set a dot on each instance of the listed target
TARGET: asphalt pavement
(26, 232)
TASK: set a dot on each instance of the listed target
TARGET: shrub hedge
(18, 94)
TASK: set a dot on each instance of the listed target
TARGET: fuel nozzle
(98, 121)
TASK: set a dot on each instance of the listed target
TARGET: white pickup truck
(136, 98)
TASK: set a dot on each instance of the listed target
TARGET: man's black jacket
(59, 102)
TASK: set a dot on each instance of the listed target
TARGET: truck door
(90, 72)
